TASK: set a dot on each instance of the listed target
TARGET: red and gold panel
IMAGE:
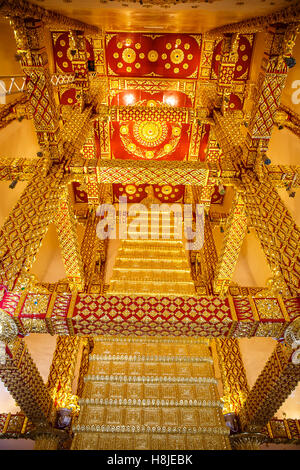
(68, 97)
(163, 55)
(61, 51)
(147, 138)
(79, 194)
(167, 193)
(134, 192)
(216, 197)
(242, 67)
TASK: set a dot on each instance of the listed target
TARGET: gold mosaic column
(24, 229)
(29, 35)
(150, 393)
(62, 370)
(235, 385)
(66, 227)
(236, 228)
(274, 384)
(277, 232)
(24, 382)
(286, 117)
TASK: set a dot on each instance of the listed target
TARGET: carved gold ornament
(128, 55)
(152, 56)
(150, 133)
(177, 56)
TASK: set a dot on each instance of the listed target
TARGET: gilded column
(275, 383)
(61, 373)
(66, 227)
(278, 234)
(29, 35)
(279, 45)
(79, 63)
(89, 246)
(236, 228)
(24, 229)
(234, 379)
(227, 67)
(22, 379)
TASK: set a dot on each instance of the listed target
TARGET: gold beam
(274, 384)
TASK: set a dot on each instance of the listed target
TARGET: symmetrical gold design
(152, 267)
(144, 414)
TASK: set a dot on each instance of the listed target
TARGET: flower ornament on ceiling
(146, 134)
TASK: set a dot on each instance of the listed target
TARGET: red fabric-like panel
(134, 193)
(68, 97)
(165, 55)
(60, 49)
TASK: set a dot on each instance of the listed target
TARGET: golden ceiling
(170, 16)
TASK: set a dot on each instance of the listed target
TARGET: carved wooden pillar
(275, 383)
(235, 232)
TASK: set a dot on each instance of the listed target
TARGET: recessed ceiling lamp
(129, 98)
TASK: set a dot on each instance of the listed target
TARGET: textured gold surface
(156, 267)
(148, 400)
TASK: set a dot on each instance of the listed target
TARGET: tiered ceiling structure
(180, 113)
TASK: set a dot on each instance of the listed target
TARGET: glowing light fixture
(129, 99)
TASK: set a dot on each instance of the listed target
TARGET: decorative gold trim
(253, 308)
